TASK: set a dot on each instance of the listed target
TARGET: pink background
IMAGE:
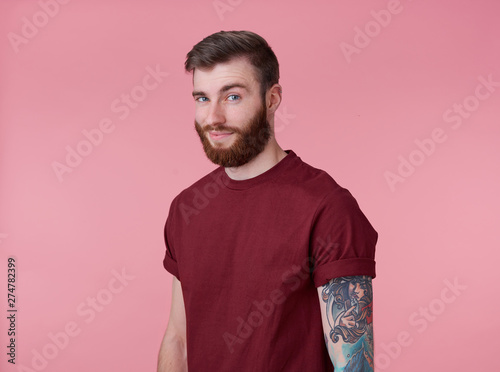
(355, 115)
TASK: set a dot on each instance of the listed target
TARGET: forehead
(234, 71)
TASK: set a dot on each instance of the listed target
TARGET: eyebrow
(225, 88)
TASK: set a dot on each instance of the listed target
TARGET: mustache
(218, 128)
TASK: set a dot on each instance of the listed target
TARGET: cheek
(199, 116)
(351, 290)
(242, 113)
(236, 114)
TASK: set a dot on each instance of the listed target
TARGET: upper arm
(347, 315)
(177, 321)
(173, 354)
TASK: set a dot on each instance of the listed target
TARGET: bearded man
(256, 246)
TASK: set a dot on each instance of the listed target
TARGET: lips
(219, 135)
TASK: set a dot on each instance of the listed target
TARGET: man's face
(230, 117)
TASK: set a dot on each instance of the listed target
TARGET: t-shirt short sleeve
(170, 260)
(342, 239)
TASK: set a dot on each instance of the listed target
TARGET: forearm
(347, 313)
(172, 356)
(353, 357)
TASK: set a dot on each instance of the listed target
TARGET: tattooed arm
(347, 313)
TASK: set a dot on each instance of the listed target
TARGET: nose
(215, 115)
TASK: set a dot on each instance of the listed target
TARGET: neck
(268, 158)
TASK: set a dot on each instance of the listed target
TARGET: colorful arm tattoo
(347, 312)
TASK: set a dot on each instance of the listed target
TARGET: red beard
(250, 141)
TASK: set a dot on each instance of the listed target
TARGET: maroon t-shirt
(249, 255)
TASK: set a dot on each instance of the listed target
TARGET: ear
(273, 98)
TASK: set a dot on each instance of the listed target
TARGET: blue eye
(201, 99)
(233, 95)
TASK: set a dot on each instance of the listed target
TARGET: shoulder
(316, 183)
(209, 184)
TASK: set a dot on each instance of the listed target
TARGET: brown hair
(225, 45)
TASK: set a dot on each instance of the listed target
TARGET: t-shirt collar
(261, 178)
